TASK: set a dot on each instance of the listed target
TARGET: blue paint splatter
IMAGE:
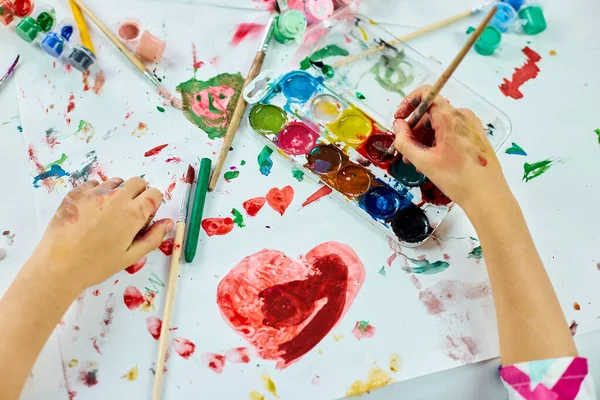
(515, 149)
(20, 128)
(55, 171)
(424, 267)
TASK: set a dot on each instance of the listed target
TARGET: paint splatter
(184, 347)
(216, 362)
(73, 363)
(196, 64)
(576, 306)
(71, 104)
(132, 374)
(360, 96)
(536, 169)
(297, 174)
(58, 162)
(363, 330)
(210, 104)
(280, 199)
(160, 109)
(255, 395)
(148, 304)
(476, 253)
(10, 237)
(133, 268)
(598, 133)
(154, 326)
(253, 206)
(269, 385)
(84, 174)
(89, 375)
(515, 149)
(99, 81)
(332, 50)
(85, 131)
(322, 192)
(393, 74)
(140, 131)
(217, 226)
(238, 355)
(264, 161)
(229, 175)
(85, 78)
(382, 271)
(175, 160)
(521, 75)
(316, 381)
(425, 267)
(396, 363)
(245, 31)
(238, 218)
(461, 348)
(155, 150)
(54, 172)
(377, 378)
(552, 53)
(168, 194)
(573, 328)
(445, 294)
(96, 293)
(166, 247)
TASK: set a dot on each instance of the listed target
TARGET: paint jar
(533, 20)
(299, 87)
(516, 4)
(297, 139)
(150, 48)
(267, 119)
(318, 10)
(81, 58)
(381, 202)
(324, 158)
(289, 26)
(46, 19)
(53, 44)
(353, 126)
(377, 145)
(27, 29)
(406, 174)
(7, 12)
(353, 180)
(411, 225)
(129, 30)
(505, 17)
(326, 108)
(489, 40)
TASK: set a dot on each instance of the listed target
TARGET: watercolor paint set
(335, 125)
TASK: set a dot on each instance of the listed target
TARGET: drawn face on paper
(285, 307)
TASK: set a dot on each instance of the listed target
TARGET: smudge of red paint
(99, 81)
(96, 293)
(169, 192)
(391, 259)
(461, 348)
(415, 281)
(103, 177)
(246, 30)
(253, 206)
(446, 257)
(216, 362)
(431, 194)
(521, 75)
(86, 84)
(196, 64)
(280, 200)
(215, 61)
(175, 160)
(72, 393)
(217, 226)
(154, 151)
(154, 326)
(133, 268)
(238, 355)
(363, 330)
(95, 344)
(285, 307)
(482, 161)
(129, 114)
(267, 5)
(166, 247)
(445, 293)
(322, 192)
(71, 105)
(48, 183)
(184, 347)
(132, 297)
(89, 378)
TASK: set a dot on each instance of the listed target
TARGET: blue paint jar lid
(81, 58)
(53, 44)
(516, 4)
(504, 18)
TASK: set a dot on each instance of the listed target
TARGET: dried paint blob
(377, 146)
(298, 87)
(297, 139)
(407, 174)
(381, 202)
(353, 127)
(411, 225)
(324, 158)
(326, 108)
(353, 180)
(267, 119)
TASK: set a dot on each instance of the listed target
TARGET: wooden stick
(166, 321)
(416, 116)
(84, 33)
(412, 35)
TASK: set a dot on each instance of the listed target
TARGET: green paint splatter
(477, 253)
(200, 104)
(159, 108)
(473, 238)
(424, 267)
(243, 162)
(598, 133)
(536, 169)
(328, 51)
(229, 175)
(238, 218)
(299, 175)
(85, 131)
(515, 149)
(20, 129)
(382, 271)
(264, 161)
(393, 74)
(58, 162)
(363, 326)
(360, 96)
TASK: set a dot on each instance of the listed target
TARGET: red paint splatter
(196, 64)
(285, 307)
(175, 160)
(253, 206)
(86, 84)
(184, 347)
(461, 348)
(154, 151)
(521, 75)
(154, 326)
(244, 31)
(267, 5)
(132, 297)
(238, 355)
(88, 377)
(446, 257)
(216, 362)
(169, 192)
(95, 344)
(71, 105)
(322, 192)
(96, 293)
(391, 259)
(129, 114)
(217, 226)
(280, 200)
(48, 183)
(72, 393)
(446, 293)
(215, 61)
(166, 247)
(133, 268)
(363, 330)
(99, 81)
(431, 194)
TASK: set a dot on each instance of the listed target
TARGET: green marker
(195, 220)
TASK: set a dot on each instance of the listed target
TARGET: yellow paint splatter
(395, 362)
(337, 337)
(148, 304)
(376, 379)
(552, 52)
(269, 385)
(255, 395)
(132, 374)
(320, 351)
(73, 363)
(364, 33)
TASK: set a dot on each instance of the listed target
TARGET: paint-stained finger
(148, 202)
(412, 101)
(408, 146)
(133, 187)
(111, 183)
(88, 184)
(149, 240)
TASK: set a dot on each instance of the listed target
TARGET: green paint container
(289, 26)
(267, 119)
(28, 29)
(533, 18)
(489, 40)
(407, 174)
(46, 19)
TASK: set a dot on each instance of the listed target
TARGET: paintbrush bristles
(191, 174)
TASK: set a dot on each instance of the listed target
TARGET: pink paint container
(318, 10)
(129, 30)
(150, 48)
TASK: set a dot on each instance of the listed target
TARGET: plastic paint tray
(325, 130)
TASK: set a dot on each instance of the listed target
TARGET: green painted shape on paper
(536, 169)
(299, 175)
(515, 149)
(58, 162)
(477, 253)
(238, 218)
(424, 267)
(328, 51)
(229, 175)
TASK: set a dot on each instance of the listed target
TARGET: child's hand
(450, 147)
(96, 231)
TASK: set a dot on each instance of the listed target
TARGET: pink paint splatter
(95, 344)
(133, 268)
(89, 375)
(316, 381)
(96, 293)
(267, 5)
(132, 297)
(175, 160)
(245, 31)
(445, 293)
(363, 330)
(391, 259)
(217, 226)
(169, 192)
(461, 348)
(215, 61)
(238, 355)
(184, 347)
(129, 114)
(99, 81)
(216, 362)
(154, 326)
(86, 84)
(166, 247)
(140, 131)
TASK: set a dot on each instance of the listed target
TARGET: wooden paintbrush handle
(166, 321)
(235, 121)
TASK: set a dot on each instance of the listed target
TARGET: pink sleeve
(557, 379)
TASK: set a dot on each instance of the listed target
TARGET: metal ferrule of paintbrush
(189, 181)
(266, 38)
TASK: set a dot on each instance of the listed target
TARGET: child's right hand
(450, 147)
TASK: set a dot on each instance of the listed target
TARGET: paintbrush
(420, 111)
(172, 285)
(10, 71)
(175, 102)
(240, 106)
(412, 35)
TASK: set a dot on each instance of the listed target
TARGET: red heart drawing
(285, 307)
(280, 200)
